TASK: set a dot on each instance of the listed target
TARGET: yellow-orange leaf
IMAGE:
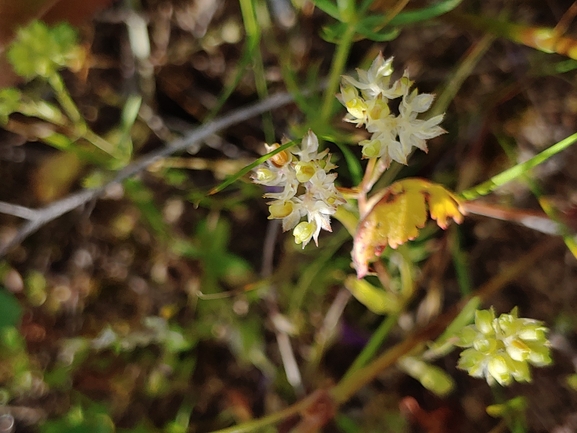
(398, 216)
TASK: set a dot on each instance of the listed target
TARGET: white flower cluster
(305, 188)
(367, 103)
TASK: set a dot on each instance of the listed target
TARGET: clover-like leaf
(40, 50)
(398, 216)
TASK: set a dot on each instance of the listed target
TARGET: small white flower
(414, 132)
(375, 80)
(308, 190)
(393, 136)
(304, 232)
(309, 148)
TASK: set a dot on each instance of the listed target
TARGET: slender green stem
(71, 110)
(98, 141)
(250, 48)
(68, 105)
(365, 186)
(517, 170)
(382, 332)
(545, 205)
(351, 383)
(463, 71)
(337, 68)
(262, 90)
(252, 426)
(44, 111)
(348, 219)
(254, 34)
(307, 278)
(460, 261)
(372, 347)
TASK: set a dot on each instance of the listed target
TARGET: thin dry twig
(18, 211)
(39, 217)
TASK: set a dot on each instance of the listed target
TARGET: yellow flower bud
(281, 158)
(280, 209)
(371, 148)
(303, 232)
(498, 368)
(357, 107)
(263, 175)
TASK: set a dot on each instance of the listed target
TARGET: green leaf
(230, 180)
(329, 8)
(129, 114)
(377, 27)
(376, 300)
(443, 345)
(10, 309)
(424, 14)
(431, 377)
(518, 170)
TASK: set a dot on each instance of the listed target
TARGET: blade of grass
(129, 114)
(543, 202)
(253, 31)
(312, 271)
(459, 75)
(245, 60)
(460, 260)
(425, 14)
(249, 167)
(517, 170)
(329, 8)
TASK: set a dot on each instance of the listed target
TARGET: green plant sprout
(41, 52)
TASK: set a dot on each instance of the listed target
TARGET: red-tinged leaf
(398, 216)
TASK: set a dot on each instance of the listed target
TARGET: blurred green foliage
(40, 50)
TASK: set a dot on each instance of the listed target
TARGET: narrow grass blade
(249, 167)
(517, 170)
